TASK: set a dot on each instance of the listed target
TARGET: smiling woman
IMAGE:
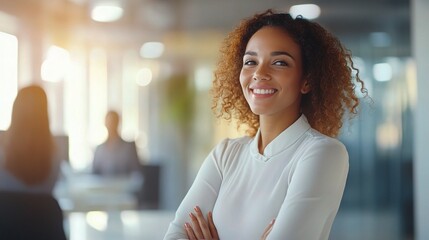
(290, 82)
(271, 78)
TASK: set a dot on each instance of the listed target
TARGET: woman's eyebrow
(275, 53)
(251, 53)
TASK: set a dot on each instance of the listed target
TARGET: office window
(8, 76)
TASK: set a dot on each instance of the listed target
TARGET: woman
(28, 163)
(290, 82)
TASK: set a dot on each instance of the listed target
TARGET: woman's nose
(261, 73)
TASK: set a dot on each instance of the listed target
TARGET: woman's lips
(263, 91)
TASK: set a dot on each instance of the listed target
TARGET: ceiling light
(152, 50)
(106, 11)
(308, 11)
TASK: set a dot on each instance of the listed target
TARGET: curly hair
(327, 66)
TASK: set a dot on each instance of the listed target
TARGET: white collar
(285, 139)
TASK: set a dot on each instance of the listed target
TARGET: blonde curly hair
(326, 63)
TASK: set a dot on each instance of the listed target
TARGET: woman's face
(271, 76)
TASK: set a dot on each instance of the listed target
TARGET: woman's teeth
(264, 91)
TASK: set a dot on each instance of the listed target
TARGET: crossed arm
(314, 192)
(202, 228)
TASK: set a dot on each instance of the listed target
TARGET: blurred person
(115, 157)
(290, 82)
(28, 160)
(29, 168)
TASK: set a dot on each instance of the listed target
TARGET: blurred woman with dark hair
(28, 163)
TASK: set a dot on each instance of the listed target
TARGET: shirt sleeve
(315, 190)
(203, 193)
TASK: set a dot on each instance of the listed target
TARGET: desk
(86, 192)
(117, 225)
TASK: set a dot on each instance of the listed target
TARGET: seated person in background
(28, 161)
(115, 157)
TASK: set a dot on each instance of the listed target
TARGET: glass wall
(378, 199)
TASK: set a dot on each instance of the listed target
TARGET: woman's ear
(306, 88)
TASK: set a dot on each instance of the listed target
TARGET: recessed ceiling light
(308, 11)
(106, 11)
(152, 50)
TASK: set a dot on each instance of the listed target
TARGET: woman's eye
(249, 62)
(280, 63)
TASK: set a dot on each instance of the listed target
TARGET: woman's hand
(268, 230)
(201, 228)
(205, 229)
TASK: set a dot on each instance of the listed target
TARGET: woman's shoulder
(316, 137)
(229, 146)
(318, 143)
(234, 142)
(228, 150)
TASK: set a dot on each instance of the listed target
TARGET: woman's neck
(270, 128)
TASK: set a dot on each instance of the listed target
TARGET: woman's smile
(262, 91)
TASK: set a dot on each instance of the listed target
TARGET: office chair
(25, 216)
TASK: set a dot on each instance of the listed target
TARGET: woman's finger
(196, 226)
(213, 230)
(190, 232)
(268, 230)
(203, 224)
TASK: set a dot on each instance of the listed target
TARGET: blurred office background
(152, 60)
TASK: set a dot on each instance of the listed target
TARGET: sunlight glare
(56, 65)
(97, 220)
(8, 76)
(144, 77)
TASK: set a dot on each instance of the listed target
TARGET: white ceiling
(146, 20)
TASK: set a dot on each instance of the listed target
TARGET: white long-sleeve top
(299, 181)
